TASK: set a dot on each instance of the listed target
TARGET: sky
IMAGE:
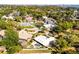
(38, 2)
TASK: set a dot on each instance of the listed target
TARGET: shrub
(14, 49)
(67, 25)
(57, 29)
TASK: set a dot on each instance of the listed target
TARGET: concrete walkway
(35, 51)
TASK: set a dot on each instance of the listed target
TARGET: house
(48, 26)
(2, 49)
(28, 18)
(45, 17)
(2, 34)
(24, 38)
(42, 41)
(16, 13)
(24, 35)
(25, 24)
(75, 12)
(49, 23)
(52, 41)
(76, 15)
(7, 17)
(45, 41)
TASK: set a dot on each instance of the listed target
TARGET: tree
(11, 24)
(57, 29)
(3, 24)
(18, 18)
(39, 24)
(67, 25)
(62, 43)
(11, 40)
(14, 49)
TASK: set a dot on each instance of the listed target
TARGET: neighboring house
(76, 15)
(25, 24)
(2, 49)
(49, 23)
(28, 18)
(16, 13)
(45, 17)
(43, 40)
(8, 17)
(75, 12)
(1, 37)
(48, 26)
(11, 15)
(2, 34)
